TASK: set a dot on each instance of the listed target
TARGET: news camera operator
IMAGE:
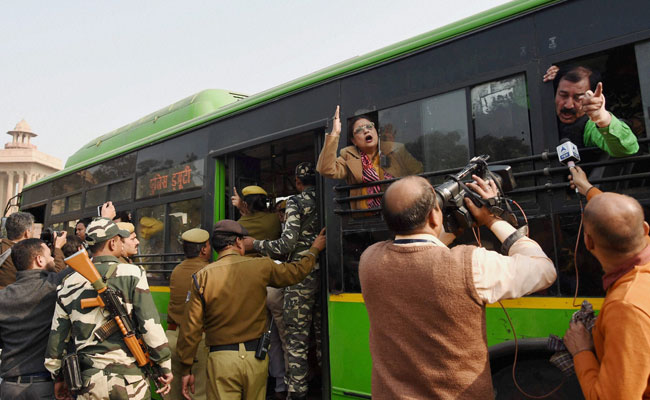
(20, 226)
(431, 299)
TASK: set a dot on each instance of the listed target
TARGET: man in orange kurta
(616, 363)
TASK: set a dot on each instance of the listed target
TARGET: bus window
(354, 243)
(433, 130)
(643, 64)
(58, 206)
(183, 215)
(444, 126)
(618, 71)
(111, 170)
(150, 223)
(67, 184)
(500, 117)
(74, 202)
(95, 197)
(121, 191)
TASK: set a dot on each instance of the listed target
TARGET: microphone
(568, 154)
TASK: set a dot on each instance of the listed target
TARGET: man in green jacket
(582, 116)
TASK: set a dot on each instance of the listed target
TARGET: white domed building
(21, 163)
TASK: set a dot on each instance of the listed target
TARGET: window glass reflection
(121, 191)
(95, 197)
(444, 126)
(500, 116)
(183, 215)
(58, 206)
(74, 202)
(150, 227)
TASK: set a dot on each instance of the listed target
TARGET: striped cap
(103, 229)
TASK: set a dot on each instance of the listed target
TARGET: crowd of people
(425, 298)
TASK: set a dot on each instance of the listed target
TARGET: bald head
(407, 203)
(615, 222)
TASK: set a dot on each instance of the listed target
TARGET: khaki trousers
(198, 369)
(235, 375)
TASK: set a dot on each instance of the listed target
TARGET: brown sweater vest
(427, 323)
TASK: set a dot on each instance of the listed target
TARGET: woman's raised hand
(336, 123)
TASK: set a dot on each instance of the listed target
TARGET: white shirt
(526, 269)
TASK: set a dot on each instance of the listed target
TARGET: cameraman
(426, 302)
(20, 226)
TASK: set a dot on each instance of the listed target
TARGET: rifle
(108, 298)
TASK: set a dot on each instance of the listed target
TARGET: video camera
(49, 235)
(452, 193)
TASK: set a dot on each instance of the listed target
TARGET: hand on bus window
(336, 123)
(320, 241)
(485, 189)
(59, 241)
(578, 179)
(593, 104)
(108, 210)
(551, 73)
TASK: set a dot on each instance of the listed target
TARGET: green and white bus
(472, 87)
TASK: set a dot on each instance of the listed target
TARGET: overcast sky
(75, 70)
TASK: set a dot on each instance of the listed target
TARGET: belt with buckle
(29, 378)
(251, 345)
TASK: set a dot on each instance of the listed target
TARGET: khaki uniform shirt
(179, 287)
(8, 270)
(228, 300)
(262, 225)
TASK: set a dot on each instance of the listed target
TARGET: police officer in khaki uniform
(264, 224)
(196, 247)
(260, 222)
(227, 300)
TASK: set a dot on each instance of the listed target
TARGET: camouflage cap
(103, 229)
(230, 226)
(253, 190)
(196, 235)
(305, 169)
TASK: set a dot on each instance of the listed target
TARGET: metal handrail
(544, 156)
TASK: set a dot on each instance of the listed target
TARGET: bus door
(271, 165)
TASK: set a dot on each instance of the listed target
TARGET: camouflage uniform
(300, 230)
(108, 369)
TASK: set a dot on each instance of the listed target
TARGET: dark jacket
(26, 309)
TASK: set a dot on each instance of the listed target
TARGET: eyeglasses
(363, 128)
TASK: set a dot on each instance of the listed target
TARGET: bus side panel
(350, 361)
(529, 323)
(160, 296)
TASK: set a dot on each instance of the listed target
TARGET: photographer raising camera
(426, 302)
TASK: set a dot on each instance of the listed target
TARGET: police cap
(253, 190)
(230, 226)
(195, 235)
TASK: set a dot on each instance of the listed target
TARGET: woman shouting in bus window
(366, 160)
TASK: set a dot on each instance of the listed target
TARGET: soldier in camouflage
(300, 230)
(108, 369)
